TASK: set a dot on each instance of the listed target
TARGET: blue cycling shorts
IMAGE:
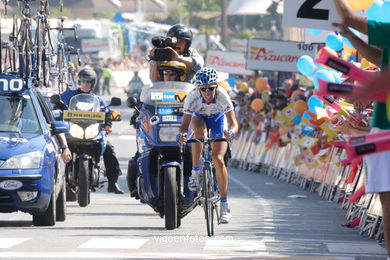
(216, 124)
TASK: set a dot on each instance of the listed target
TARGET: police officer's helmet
(179, 67)
(88, 74)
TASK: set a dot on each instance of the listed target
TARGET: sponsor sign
(10, 85)
(230, 62)
(277, 55)
(94, 45)
(238, 45)
(156, 96)
(86, 115)
(168, 97)
(165, 110)
(169, 118)
(180, 97)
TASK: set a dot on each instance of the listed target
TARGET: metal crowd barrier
(252, 151)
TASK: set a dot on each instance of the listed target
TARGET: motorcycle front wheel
(83, 183)
(170, 198)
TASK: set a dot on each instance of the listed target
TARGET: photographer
(175, 47)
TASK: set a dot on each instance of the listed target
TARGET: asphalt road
(266, 224)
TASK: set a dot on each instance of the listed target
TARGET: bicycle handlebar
(206, 140)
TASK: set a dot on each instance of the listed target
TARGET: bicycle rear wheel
(208, 191)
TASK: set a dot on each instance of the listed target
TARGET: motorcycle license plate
(84, 115)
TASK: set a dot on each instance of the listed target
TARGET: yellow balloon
(257, 104)
(244, 87)
(360, 4)
(261, 84)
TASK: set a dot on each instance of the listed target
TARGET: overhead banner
(230, 62)
(318, 14)
(94, 45)
(277, 55)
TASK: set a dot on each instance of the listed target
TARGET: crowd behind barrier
(329, 179)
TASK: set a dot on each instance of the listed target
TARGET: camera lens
(156, 41)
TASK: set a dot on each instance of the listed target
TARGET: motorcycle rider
(169, 71)
(206, 107)
(86, 82)
(180, 51)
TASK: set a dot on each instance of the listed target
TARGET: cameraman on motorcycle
(169, 71)
(86, 82)
(180, 50)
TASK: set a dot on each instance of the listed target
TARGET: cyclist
(181, 52)
(87, 81)
(207, 106)
(169, 71)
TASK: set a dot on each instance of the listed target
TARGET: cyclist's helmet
(206, 76)
(181, 31)
(177, 66)
(87, 73)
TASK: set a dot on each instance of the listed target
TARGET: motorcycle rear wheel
(170, 198)
(83, 178)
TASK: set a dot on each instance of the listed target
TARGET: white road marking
(104, 243)
(238, 245)
(127, 137)
(8, 242)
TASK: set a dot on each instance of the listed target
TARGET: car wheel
(61, 203)
(49, 217)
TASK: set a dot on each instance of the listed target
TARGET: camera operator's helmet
(181, 31)
(206, 76)
(177, 66)
(87, 73)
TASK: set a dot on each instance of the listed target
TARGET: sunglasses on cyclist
(208, 88)
(84, 81)
(171, 74)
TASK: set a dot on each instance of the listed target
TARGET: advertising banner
(230, 62)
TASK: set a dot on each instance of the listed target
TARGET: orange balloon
(283, 131)
(257, 104)
(300, 106)
(360, 4)
(261, 84)
(295, 93)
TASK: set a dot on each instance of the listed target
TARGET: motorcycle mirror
(56, 100)
(115, 102)
(132, 102)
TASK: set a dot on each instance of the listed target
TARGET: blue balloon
(324, 75)
(374, 12)
(296, 120)
(306, 115)
(314, 102)
(385, 11)
(314, 31)
(306, 65)
(232, 81)
(334, 41)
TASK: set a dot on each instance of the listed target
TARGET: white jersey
(195, 104)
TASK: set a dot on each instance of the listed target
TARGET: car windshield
(170, 93)
(18, 115)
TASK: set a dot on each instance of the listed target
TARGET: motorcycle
(87, 142)
(162, 167)
(134, 89)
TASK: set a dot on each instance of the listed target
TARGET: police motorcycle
(162, 170)
(135, 86)
(87, 141)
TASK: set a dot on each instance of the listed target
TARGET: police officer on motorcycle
(87, 81)
(169, 71)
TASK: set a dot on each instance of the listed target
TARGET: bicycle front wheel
(208, 191)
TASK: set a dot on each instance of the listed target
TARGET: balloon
(257, 104)
(306, 65)
(225, 85)
(360, 4)
(385, 11)
(261, 84)
(300, 106)
(374, 12)
(232, 81)
(296, 93)
(283, 131)
(334, 41)
(314, 31)
(297, 119)
(307, 116)
(243, 87)
(314, 102)
(324, 75)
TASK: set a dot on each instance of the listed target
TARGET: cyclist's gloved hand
(181, 138)
(229, 135)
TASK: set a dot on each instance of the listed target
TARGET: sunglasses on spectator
(84, 81)
(208, 88)
(171, 74)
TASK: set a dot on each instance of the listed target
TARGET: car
(32, 173)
